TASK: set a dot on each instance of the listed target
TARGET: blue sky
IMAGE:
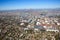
(28, 4)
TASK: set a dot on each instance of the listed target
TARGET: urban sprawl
(30, 24)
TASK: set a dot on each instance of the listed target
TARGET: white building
(38, 23)
(22, 23)
(50, 28)
(55, 30)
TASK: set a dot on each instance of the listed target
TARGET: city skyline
(28, 4)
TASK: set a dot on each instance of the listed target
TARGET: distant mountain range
(34, 12)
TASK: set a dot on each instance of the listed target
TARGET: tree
(57, 37)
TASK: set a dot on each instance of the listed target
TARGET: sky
(28, 4)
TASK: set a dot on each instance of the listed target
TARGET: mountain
(33, 12)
